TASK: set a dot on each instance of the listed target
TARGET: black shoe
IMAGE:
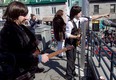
(75, 75)
(68, 78)
(59, 56)
(39, 70)
(71, 79)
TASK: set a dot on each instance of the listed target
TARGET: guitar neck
(57, 52)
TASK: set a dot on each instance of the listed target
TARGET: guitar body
(37, 52)
(60, 51)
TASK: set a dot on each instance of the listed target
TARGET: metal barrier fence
(101, 58)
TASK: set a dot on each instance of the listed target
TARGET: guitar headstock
(69, 47)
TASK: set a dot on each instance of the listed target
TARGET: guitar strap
(74, 24)
(75, 31)
(78, 31)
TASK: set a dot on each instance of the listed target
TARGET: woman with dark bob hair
(17, 45)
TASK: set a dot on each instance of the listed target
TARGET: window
(53, 10)
(20, 0)
(24, 0)
(96, 9)
(38, 0)
(113, 8)
(75, 3)
(1, 1)
(68, 2)
(37, 11)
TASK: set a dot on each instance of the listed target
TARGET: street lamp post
(85, 11)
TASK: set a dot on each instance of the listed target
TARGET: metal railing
(101, 58)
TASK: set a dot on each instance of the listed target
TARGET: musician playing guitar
(17, 45)
(73, 36)
(36, 53)
(27, 75)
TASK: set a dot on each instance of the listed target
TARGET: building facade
(46, 9)
(102, 7)
(43, 9)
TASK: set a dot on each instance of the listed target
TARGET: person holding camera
(33, 23)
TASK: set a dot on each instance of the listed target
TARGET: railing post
(92, 44)
(111, 71)
(99, 54)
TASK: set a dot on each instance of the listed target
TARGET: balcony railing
(101, 58)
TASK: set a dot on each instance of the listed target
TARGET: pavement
(55, 68)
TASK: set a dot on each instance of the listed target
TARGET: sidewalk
(55, 69)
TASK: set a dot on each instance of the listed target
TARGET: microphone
(109, 23)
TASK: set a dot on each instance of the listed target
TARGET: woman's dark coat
(17, 45)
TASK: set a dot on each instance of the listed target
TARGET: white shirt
(69, 25)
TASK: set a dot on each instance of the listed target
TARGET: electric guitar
(54, 53)
(60, 51)
(28, 75)
(79, 38)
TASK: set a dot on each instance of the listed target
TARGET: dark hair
(74, 11)
(32, 15)
(59, 13)
(14, 10)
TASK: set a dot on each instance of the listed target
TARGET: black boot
(39, 70)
